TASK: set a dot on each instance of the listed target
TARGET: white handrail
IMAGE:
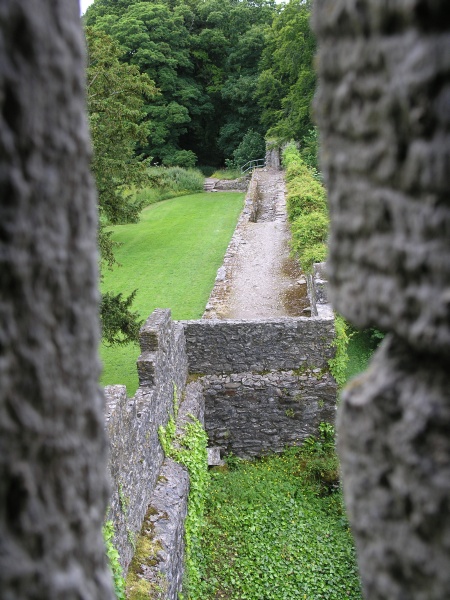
(253, 164)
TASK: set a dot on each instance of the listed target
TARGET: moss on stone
(145, 556)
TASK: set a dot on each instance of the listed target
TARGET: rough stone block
(394, 444)
(385, 141)
(155, 332)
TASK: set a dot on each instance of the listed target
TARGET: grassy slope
(171, 257)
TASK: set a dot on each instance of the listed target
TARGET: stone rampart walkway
(264, 281)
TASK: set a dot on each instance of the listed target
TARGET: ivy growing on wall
(189, 449)
(338, 364)
(113, 559)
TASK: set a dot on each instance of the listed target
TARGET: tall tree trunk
(53, 489)
(383, 112)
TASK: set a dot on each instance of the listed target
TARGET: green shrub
(305, 195)
(313, 254)
(170, 182)
(252, 147)
(180, 158)
(308, 231)
(307, 209)
(310, 148)
(177, 179)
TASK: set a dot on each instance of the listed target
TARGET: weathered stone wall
(215, 347)
(162, 565)
(273, 156)
(317, 285)
(233, 185)
(251, 414)
(53, 485)
(383, 113)
(252, 402)
(136, 455)
(267, 383)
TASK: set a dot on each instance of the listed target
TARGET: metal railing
(253, 164)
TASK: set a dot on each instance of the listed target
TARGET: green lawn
(171, 257)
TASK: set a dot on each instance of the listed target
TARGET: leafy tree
(287, 80)
(204, 60)
(116, 97)
(153, 36)
(252, 147)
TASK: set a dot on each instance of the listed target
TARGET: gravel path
(265, 281)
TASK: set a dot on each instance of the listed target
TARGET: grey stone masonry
(136, 455)
(317, 284)
(382, 108)
(251, 414)
(258, 345)
(164, 521)
(262, 408)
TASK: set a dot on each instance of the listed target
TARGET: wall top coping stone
(274, 321)
(150, 335)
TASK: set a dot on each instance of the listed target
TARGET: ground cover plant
(171, 257)
(276, 530)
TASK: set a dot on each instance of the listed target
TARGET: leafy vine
(113, 559)
(189, 449)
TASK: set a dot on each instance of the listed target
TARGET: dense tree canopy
(223, 68)
(205, 59)
(287, 80)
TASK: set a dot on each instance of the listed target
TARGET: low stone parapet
(257, 345)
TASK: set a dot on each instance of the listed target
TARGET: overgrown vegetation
(113, 559)
(171, 257)
(276, 529)
(339, 363)
(171, 182)
(231, 173)
(307, 210)
(189, 449)
(362, 344)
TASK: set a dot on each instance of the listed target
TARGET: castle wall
(136, 455)
(258, 345)
(264, 385)
(251, 414)
(266, 382)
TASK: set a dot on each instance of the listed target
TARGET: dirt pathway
(265, 282)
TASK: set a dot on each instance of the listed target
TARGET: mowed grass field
(171, 257)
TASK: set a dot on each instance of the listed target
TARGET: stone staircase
(209, 184)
